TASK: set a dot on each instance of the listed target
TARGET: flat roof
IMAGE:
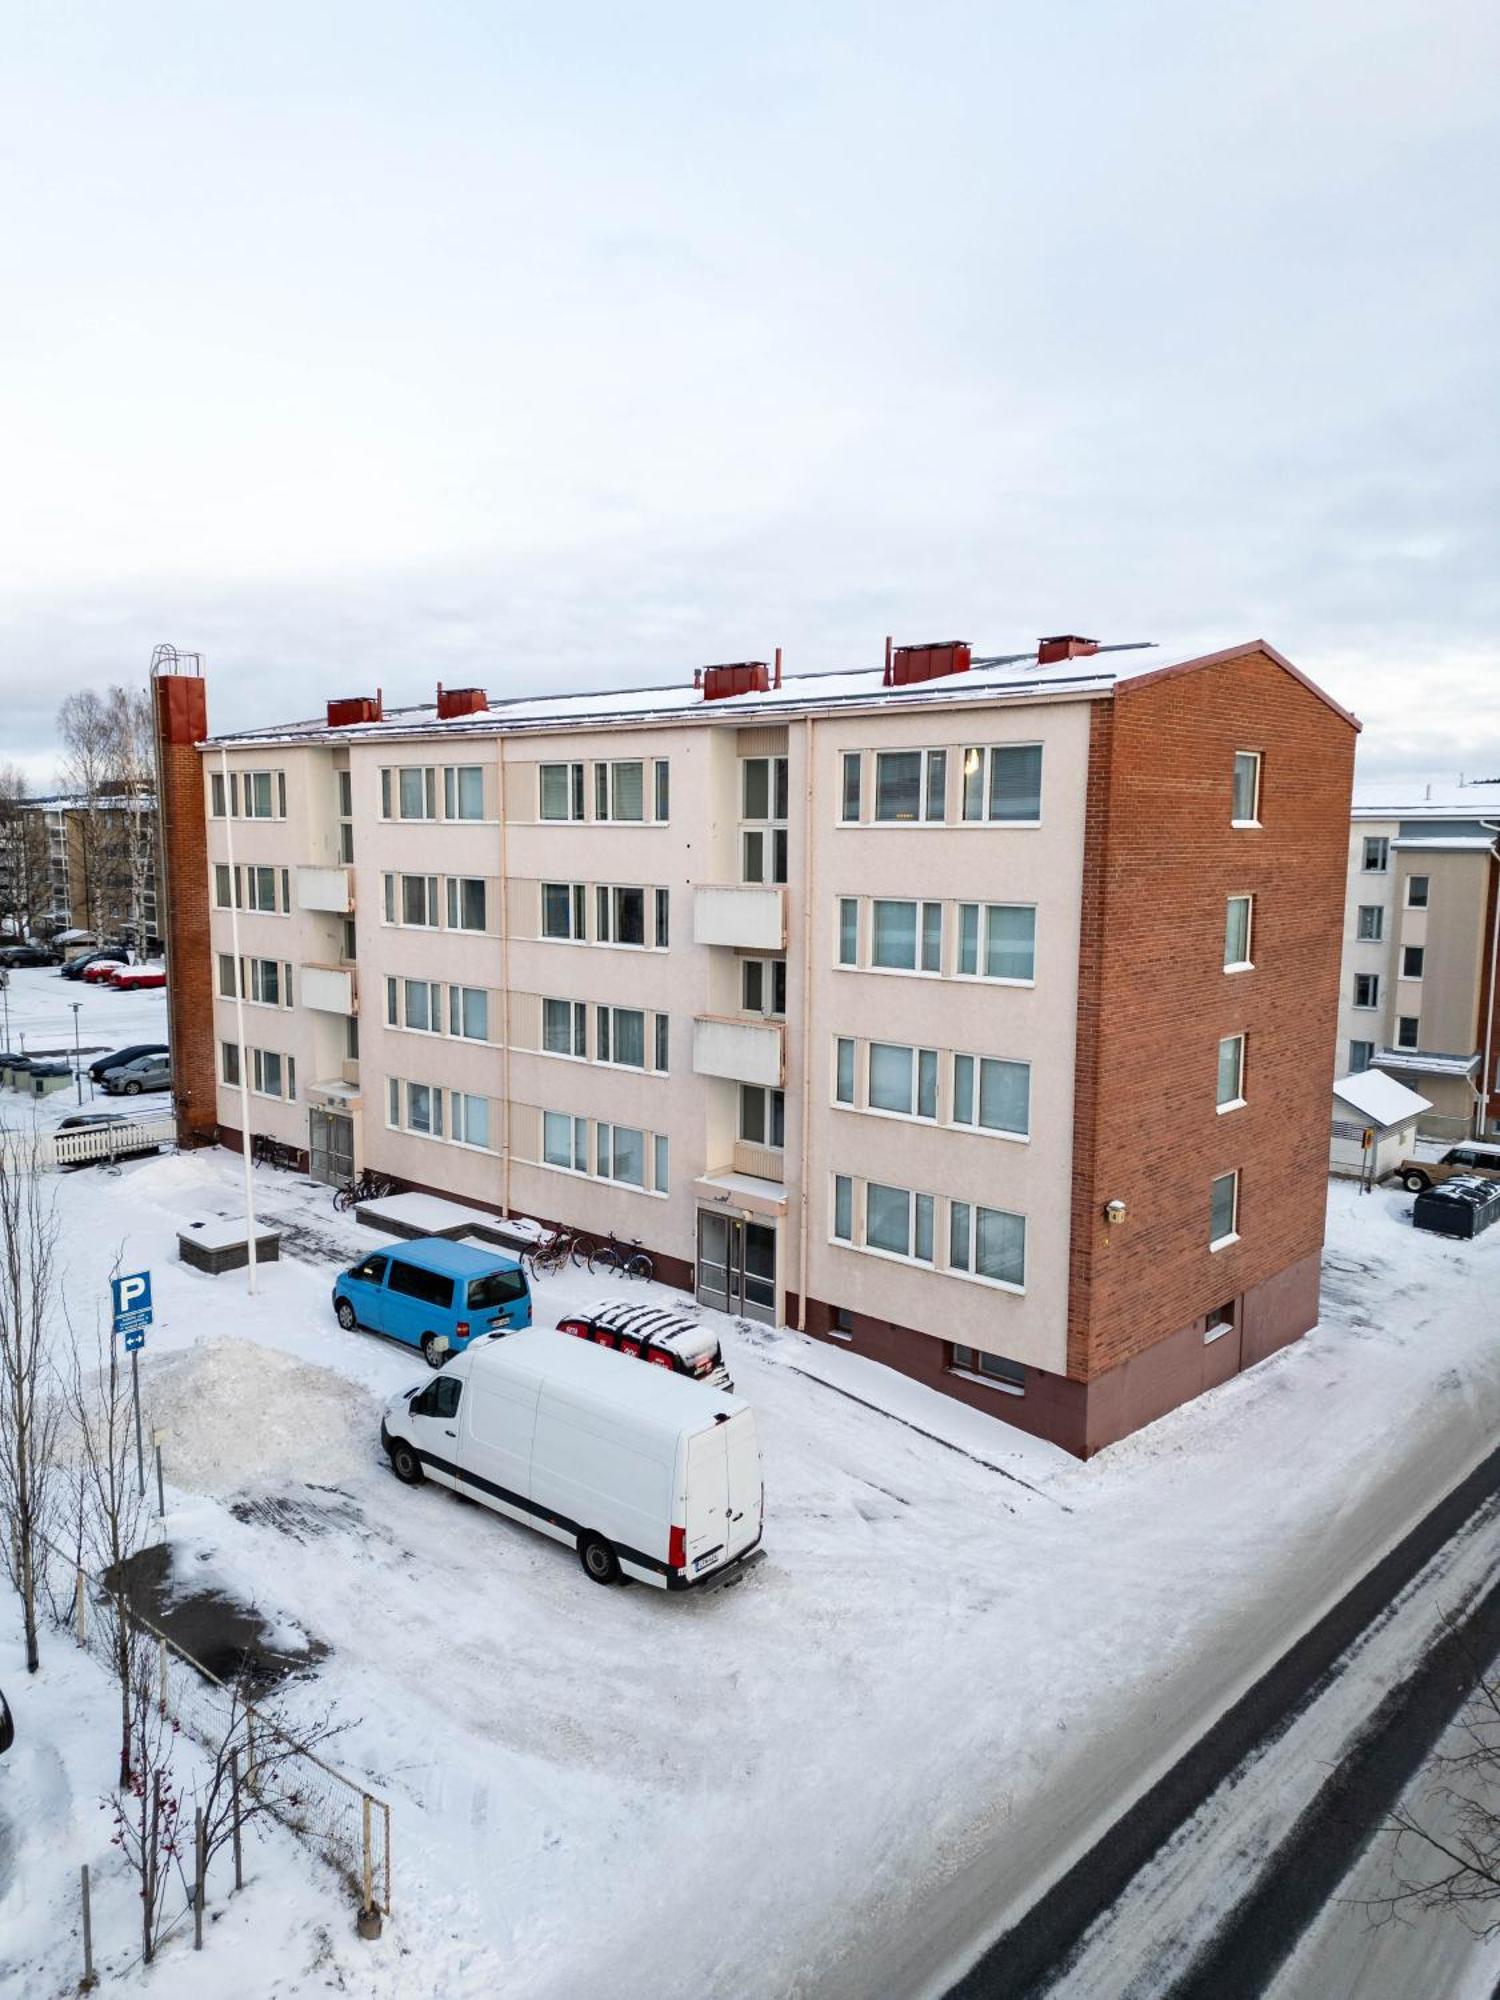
(1427, 798)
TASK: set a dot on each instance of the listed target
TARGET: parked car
(1473, 1156)
(143, 1073)
(28, 954)
(7, 1726)
(77, 967)
(434, 1295)
(644, 1476)
(121, 1057)
(653, 1333)
(1464, 1206)
(95, 1121)
(132, 978)
(100, 970)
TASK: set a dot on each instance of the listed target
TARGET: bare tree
(25, 868)
(111, 1518)
(135, 776)
(151, 1821)
(28, 1403)
(87, 728)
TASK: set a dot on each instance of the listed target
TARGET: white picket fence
(105, 1142)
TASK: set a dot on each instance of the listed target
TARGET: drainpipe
(504, 986)
(808, 825)
(1487, 1074)
(239, 1022)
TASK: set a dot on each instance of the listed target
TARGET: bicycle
(268, 1152)
(551, 1255)
(366, 1186)
(627, 1258)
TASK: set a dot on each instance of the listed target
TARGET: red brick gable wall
(182, 722)
(1155, 1000)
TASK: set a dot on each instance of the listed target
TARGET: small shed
(1371, 1101)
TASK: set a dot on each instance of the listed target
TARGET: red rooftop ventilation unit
(460, 701)
(905, 665)
(1066, 646)
(739, 677)
(354, 708)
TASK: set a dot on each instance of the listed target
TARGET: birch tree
(86, 726)
(135, 775)
(29, 1406)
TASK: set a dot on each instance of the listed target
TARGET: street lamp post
(77, 1051)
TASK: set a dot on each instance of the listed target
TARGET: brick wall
(1164, 861)
(181, 709)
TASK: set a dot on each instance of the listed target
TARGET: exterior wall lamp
(1114, 1212)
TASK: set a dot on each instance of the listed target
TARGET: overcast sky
(570, 345)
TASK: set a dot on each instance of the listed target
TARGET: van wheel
(1414, 1183)
(406, 1465)
(599, 1559)
(346, 1316)
(432, 1354)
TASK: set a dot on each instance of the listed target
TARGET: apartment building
(66, 860)
(974, 1013)
(1420, 942)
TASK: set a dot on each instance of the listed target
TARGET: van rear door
(723, 1493)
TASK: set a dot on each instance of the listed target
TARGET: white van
(646, 1473)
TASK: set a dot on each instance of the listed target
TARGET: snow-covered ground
(964, 1652)
(37, 1006)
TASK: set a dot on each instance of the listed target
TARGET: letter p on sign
(132, 1301)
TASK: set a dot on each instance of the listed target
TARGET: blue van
(433, 1291)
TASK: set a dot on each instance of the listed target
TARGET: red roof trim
(1238, 653)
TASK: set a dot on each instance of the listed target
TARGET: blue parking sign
(132, 1302)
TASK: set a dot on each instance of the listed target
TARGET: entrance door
(330, 1148)
(737, 1266)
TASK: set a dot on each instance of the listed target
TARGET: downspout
(239, 1022)
(1487, 1074)
(504, 986)
(808, 824)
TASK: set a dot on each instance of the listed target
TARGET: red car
(101, 971)
(668, 1339)
(131, 978)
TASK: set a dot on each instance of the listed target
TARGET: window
(620, 1036)
(1231, 1071)
(350, 939)
(763, 986)
(351, 1037)
(1411, 961)
(993, 1095)
(563, 910)
(463, 791)
(1223, 1209)
(663, 918)
(621, 915)
(470, 1118)
(909, 784)
(466, 903)
(663, 802)
(895, 932)
(843, 1085)
(620, 791)
(1004, 783)
(422, 1006)
(561, 791)
(987, 1243)
(430, 1287)
(272, 1075)
(1237, 919)
(621, 1154)
(270, 983)
(229, 1060)
(1219, 1322)
(409, 793)
(1416, 892)
(1245, 810)
(412, 900)
(848, 930)
(1367, 989)
(903, 1080)
(424, 1110)
(1009, 941)
(762, 1115)
(898, 1222)
(226, 975)
(565, 1141)
(1361, 1055)
(763, 847)
(257, 793)
(662, 1035)
(345, 794)
(843, 1208)
(1408, 1027)
(1377, 854)
(764, 784)
(216, 794)
(1008, 1375)
(221, 886)
(440, 1398)
(663, 1177)
(469, 1013)
(849, 807)
(564, 1028)
(1371, 923)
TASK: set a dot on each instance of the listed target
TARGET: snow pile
(235, 1412)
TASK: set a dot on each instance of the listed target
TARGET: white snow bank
(235, 1412)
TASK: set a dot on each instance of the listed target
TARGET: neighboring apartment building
(81, 864)
(976, 1014)
(1420, 940)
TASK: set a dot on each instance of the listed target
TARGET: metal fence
(343, 1823)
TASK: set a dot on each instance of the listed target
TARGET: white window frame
(574, 781)
(1253, 757)
(606, 785)
(1247, 963)
(454, 902)
(969, 1270)
(1234, 1103)
(1021, 1137)
(1223, 1242)
(457, 1010)
(578, 1029)
(1372, 932)
(766, 970)
(986, 752)
(1416, 1028)
(1406, 952)
(1372, 981)
(1381, 843)
(1426, 899)
(458, 1120)
(452, 773)
(772, 1102)
(578, 902)
(929, 762)
(982, 921)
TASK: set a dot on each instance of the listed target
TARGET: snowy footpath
(963, 1656)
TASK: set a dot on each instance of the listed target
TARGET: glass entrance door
(330, 1146)
(737, 1266)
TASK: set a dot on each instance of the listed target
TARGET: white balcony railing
(747, 919)
(742, 1051)
(325, 889)
(329, 988)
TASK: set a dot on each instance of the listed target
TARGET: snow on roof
(1380, 1098)
(1419, 798)
(1452, 843)
(1424, 1064)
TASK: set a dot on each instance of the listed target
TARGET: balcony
(746, 919)
(330, 889)
(328, 988)
(742, 1051)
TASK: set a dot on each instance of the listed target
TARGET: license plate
(704, 1561)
